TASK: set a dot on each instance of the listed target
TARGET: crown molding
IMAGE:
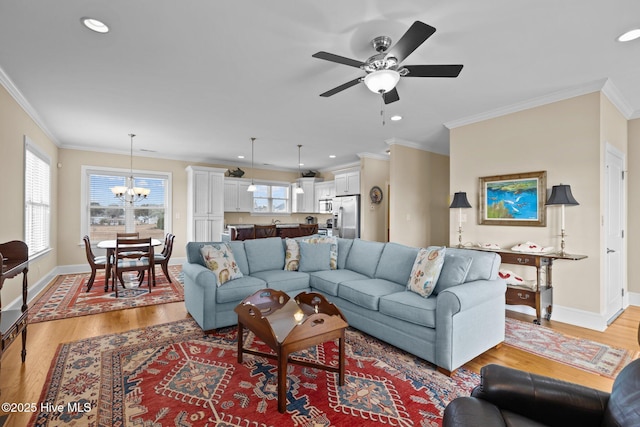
(432, 148)
(13, 90)
(561, 95)
(376, 156)
(611, 91)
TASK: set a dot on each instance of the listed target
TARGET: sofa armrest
(467, 295)
(199, 275)
(543, 399)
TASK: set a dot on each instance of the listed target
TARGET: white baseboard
(36, 289)
(572, 316)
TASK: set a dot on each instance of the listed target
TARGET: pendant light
(129, 193)
(252, 188)
(299, 190)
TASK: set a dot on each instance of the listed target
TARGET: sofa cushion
(327, 281)
(218, 257)
(315, 256)
(285, 281)
(366, 293)
(364, 256)
(333, 248)
(239, 289)
(410, 307)
(426, 270)
(485, 265)
(344, 246)
(237, 246)
(396, 262)
(264, 254)
(454, 271)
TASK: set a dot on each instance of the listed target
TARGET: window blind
(37, 198)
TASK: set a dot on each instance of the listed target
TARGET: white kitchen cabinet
(304, 202)
(205, 203)
(236, 196)
(347, 183)
(325, 190)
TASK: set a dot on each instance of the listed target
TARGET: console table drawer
(519, 296)
(518, 259)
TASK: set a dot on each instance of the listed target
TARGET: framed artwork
(516, 199)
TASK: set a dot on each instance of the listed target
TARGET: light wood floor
(24, 382)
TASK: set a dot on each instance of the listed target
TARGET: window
(37, 199)
(104, 215)
(271, 198)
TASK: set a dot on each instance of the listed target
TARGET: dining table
(110, 246)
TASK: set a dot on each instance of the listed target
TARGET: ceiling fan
(384, 70)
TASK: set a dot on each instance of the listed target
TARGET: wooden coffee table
(288, 325)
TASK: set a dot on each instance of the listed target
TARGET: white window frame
(35, 252)
(86, 171)
(273, 184)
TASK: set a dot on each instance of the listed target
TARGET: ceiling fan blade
(391, 96)
(433, 70)
(341, 87)
(414, 37)
(339, 59)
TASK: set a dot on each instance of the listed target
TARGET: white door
(614, 232)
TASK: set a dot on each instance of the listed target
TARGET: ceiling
(196, 79)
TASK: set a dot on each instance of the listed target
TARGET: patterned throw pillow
(292, 255)
(426, 270)
(218, 257)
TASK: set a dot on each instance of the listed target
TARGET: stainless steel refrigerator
(346, 216)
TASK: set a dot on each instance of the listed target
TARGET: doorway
(614, 222)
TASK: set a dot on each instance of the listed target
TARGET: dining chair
(290, 232)
(263, 231)
(308, 229)
(133, 255)
(96, 262)
(135, 235)
(162, 258)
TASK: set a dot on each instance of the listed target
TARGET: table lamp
(561, 195)
(460, 201)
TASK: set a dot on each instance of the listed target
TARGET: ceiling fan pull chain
(382, 107)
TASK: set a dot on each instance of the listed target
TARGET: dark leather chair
(95, 262)
(264, 231)
(510, 397)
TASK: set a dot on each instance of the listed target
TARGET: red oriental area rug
(174, 374)
(68, 296)
(580, 353)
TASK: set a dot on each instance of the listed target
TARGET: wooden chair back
(264, 231)
(133, 254)
(308, 229)
(135, 235)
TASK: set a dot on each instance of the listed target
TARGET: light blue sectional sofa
(464, 317)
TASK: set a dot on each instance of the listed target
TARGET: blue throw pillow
(314, 256)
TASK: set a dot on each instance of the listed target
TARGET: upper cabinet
(304, 202)
(236, 196)
(205, 203)
(347, 183)
(325, 192)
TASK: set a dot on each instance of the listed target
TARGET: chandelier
(130, 194)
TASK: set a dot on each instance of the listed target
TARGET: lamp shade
(460, 200)
(382, 81)
(561, 195)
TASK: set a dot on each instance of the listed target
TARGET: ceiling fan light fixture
(382, 81)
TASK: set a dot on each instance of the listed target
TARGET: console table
(14, 259)
(542, 296)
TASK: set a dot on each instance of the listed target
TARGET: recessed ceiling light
(630, 35)
(396, 118)
(301, 164)
(332, 156)
(95, 25)
(241, 157)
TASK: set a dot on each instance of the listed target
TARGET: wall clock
(375, 194)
